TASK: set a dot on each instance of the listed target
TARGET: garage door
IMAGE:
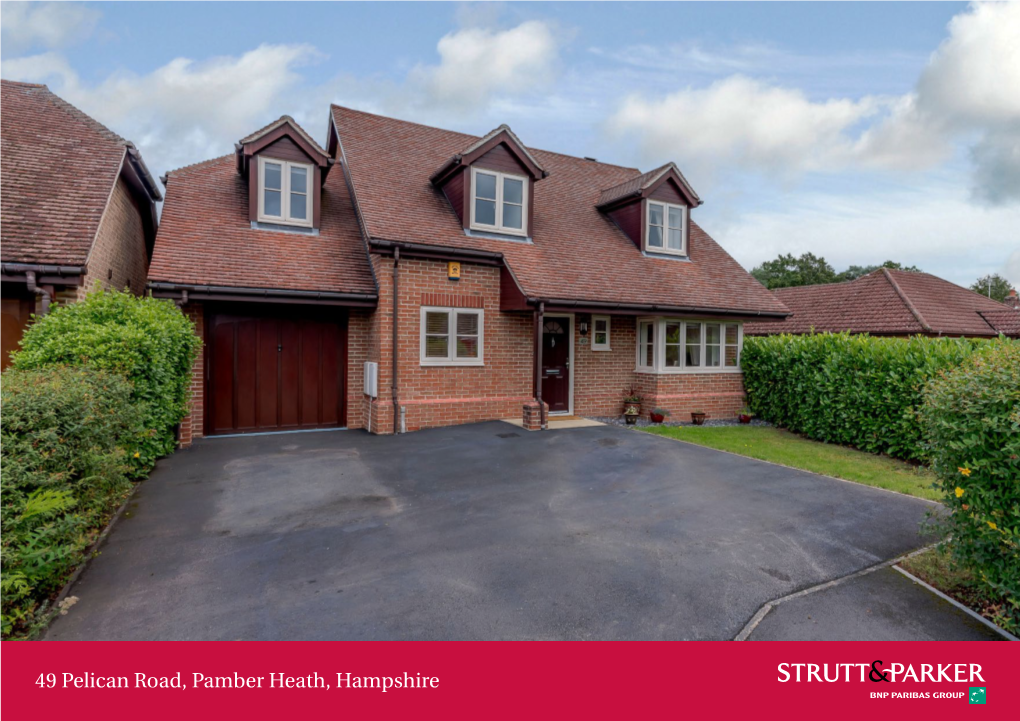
(275, 372)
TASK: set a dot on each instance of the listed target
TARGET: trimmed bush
(65, 469)
(854, 390)
(147, 340)
(971, 417)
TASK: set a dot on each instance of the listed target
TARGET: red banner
(508, 680)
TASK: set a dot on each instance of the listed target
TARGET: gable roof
(502, 134)
(644, 184)
(288, 123)
(206, 239)
(884, 302)
(59, 169)
(576, 252)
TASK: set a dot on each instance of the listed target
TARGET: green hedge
(971, 417)
(65, 469)
(854, 390)
(147, 340)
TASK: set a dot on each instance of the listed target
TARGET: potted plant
(698, 418)
(658, 415)
(630, 415)
(632, 398)
(745, 415)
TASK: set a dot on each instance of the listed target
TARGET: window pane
(437, 323)
(601, 338)
(676, 217)
(272, 175)
(672, 332)
(654, 236)
(298, 206)
(654, 214)
(731, 356)
(673, 356)
(485, 186)
(676, 239)
(711, 355)
(649, 355)
(299, 180)
(601, 325)
(435, 346)
(512, 216)
(513, 191)
(712, 333)
(271, 205)
(731, 334)
(692, 351)
(467, 346)
(467, 324)
(485, 212)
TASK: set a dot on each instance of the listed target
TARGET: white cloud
(933, 227)
(50, 25)
(967, 93)
(477, 64)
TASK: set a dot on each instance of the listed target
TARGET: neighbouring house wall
(449, 395)
(118, 258)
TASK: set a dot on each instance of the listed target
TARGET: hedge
(65, 468)
(853, 390)
(147, 340)
(971, 418)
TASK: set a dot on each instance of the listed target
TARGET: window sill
(687, 371)
(497, 235)
(284, 227)
(665, 255)
(601, 348)
(452, 364)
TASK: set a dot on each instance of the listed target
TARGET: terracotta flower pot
(744, 418)
(698, 418)
(657, 417)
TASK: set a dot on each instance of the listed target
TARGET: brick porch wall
(720, 395)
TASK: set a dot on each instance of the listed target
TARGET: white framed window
(499, 202)
(688, 346)
(600, 332)
(452, 336)
(666, 228)
(285, 192)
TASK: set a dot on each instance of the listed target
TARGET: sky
(861, 132)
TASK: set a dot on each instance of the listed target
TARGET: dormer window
(666, 228)
(284, 192)
(499, 202)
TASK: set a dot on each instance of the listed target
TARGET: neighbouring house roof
(59, 169)
(576, 251)
(1005, 321)
(885, 302)
(644, 182)
(205, 238)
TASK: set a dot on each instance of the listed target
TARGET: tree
(994, 286)
(856, 271)
(787, 271)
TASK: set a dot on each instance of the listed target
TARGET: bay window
(688, 346)
(499, 202)
(451, 336)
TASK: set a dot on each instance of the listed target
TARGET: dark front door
(556, 363)
(275, 372)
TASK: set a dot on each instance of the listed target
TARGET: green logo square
(977, 694)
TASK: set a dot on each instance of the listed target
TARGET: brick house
(470, 278)
(892, 303)
(78, 207)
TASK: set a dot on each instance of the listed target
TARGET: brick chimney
(1012, 299)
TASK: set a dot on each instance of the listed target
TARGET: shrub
(849, 389)
(147, 340)
(64, 470)
(971, 417)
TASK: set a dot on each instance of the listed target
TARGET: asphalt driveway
(473, 532)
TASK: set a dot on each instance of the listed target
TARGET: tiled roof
(885, 302)
(283, 120)
(577, 252)
(205, 238)
(1005, 321)
(642, 182)
(59, 168)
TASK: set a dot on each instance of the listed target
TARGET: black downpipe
(396, 310)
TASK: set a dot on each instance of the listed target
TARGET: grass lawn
(789, 449)
(933, 567)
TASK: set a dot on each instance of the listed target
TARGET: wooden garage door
(275, 373)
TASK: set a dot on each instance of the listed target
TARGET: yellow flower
(137, 454)
(964, 471)
(959, 492)
(992, 525)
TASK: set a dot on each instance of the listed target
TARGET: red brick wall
(192, 426)
(720, 395)
(602, 377)
(119, 246)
